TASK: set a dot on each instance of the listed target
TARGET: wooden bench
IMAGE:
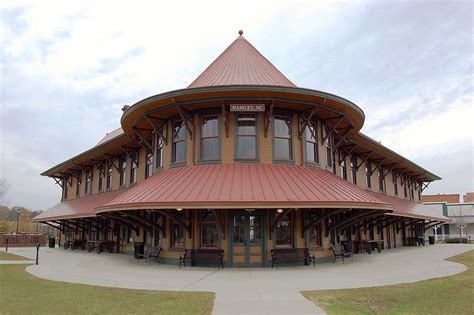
(205, 255)
(292, 255)
(153, 252)
(340, 253)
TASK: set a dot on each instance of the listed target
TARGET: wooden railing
(23, 239)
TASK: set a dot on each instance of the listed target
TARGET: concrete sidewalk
(250, 290)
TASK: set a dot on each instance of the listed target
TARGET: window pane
(311, 133)
(284, 232)
(178, 236)
(178, 132)
(282, 126)
(314, 236)
(246, 124)
(179, 153)
(239, 229)
(210, 148)
(246, 147)
(310, 148)
(209, 126)
(282, 149)
(255, 229)
(210, 235)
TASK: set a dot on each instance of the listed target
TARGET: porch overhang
(410, 209)
(233, 186)
(77, 208)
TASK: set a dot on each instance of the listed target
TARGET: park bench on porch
(202, 255)
(153, 252)
(340, 252)
(292, 255)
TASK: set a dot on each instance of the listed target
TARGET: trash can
(139, 249)
(51, 242)
(431, 239)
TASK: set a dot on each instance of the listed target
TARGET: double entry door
(247, 240)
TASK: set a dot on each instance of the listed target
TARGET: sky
(67, 68)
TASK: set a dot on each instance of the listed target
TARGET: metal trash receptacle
(431, 239)
(51, 242)
(139, 249)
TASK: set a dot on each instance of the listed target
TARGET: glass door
(247, 246)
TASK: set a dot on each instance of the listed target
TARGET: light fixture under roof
(179, 209)
(279, 210)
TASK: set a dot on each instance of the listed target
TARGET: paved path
(250, 290)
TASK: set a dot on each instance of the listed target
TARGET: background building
(460, 214)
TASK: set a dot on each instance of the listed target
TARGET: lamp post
(17, 219)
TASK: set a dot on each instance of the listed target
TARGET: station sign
(247, 107)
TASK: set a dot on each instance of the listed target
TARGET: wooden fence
(23, 239)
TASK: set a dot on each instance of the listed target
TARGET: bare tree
(461, 223)
(3, 191)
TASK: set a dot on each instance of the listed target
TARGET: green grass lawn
(8, 256)
(22, 293)
(448, 295)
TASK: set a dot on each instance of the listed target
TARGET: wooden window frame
(133, 167)
(381, 179)
(313, 141)
(237, 136)
(78, 185)
(101, 179)
(217, 136)
(368, 174)
(174, 142)
(201, 229)
(288, 138)
(109, 177)
(354, 169)
(328, 144)
(342, 165)
(395, 184)
(159, 151)
(122, 171)
(291, 218)
(148, 164)
(88, 183)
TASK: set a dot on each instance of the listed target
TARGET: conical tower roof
(241, 64)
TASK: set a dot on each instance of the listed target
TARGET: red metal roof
(410, 209)
(244, 186)
(77, 208)
(241, 64)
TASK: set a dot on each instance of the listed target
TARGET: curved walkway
(250, 290)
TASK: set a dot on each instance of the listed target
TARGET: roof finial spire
(241, 32)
